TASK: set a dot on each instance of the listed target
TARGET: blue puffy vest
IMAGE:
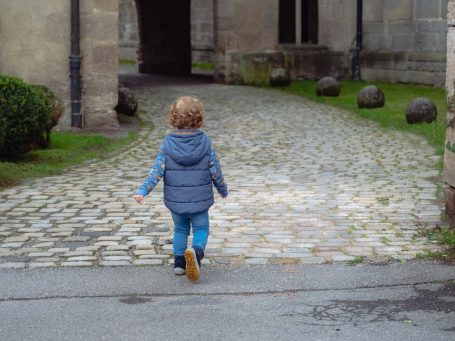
(187, 178)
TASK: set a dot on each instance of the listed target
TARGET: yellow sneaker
(192, 265)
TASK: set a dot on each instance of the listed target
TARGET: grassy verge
(445, 237)
(66, 149)
(123, 61)
(203, 66)
(392, 114)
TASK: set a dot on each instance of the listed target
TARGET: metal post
(359, 43)
(75, 67)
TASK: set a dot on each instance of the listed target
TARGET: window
(298, 21)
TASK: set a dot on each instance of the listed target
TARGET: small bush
(54, 110)
(26, 116)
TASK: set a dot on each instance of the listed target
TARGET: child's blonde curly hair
(186, 113)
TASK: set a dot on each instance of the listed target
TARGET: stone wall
(337, 23)
(242, 29)
(127, 30)
(405, 41)
(202, 26)
(35, 46)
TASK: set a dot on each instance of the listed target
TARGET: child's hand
(139, 198)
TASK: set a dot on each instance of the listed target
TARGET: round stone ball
(279, 77)
(127, 102)
(370, 97)
(421, 110)
(328, 86)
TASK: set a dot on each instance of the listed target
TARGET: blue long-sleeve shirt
(159, 167)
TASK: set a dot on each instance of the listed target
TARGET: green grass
(445, 237)
(397, 97)
(356, 260)
(66, 149)
(124, 61)
(203, 66)
(383, 201)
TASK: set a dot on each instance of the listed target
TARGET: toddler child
(189, 165)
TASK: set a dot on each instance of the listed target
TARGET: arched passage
(164, 36)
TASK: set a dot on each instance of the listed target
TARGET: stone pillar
(202, 31)
(99, 52)
(449, 154)
(223, 39)
(128, 30)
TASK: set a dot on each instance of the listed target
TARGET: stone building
(403, 41)
(35, 46)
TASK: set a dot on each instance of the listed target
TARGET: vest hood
(187, 149)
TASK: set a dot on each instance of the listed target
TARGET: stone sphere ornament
(127, 102)
(370, 97)
(279, 77)
(328, 86)
(421, 110)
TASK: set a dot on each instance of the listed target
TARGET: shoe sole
(180, 272)
(192, 267)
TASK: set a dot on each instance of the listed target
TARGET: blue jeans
(182, 225)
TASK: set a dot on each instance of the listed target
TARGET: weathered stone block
(402, 42)
(256, 68)
(102, 119)
(451, 9)
(426, 65)
(449, 153)
(421, 77)
(444, 9)
(397, 10)
(400, 27)
(439, 79)
(372, 10)
(437, 26)
(316, 62)
(430, 42)
(449, 197)
(428, 9)
(104, 59)
(383, 59)
(102, 5)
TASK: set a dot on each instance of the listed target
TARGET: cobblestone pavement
(308, 183)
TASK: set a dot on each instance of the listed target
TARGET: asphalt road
(400, 301)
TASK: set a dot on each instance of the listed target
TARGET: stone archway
(164, 36)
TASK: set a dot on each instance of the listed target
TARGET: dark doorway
(164, 36)
(310, 21)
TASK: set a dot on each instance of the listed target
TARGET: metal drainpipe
(75, 67)
(359, 38)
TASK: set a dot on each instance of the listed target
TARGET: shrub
(54, 110)
(25, 116)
